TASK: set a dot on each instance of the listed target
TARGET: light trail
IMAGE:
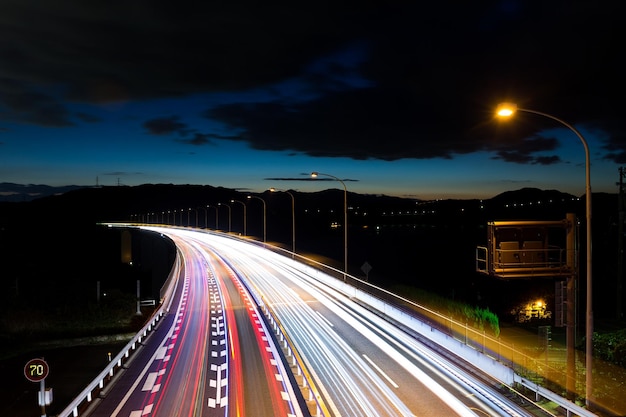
(366, 366)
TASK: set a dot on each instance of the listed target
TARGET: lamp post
(264, 216)
(216, 217)
(205, 216)
(293, 220)
(229, 215)
(507, 110)
(345, 219)
(245, 233)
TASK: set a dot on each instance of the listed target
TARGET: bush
(479, 318)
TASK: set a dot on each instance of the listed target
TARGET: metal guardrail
(541, 392)
(86, 396)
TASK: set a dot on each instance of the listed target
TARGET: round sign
(36, 370)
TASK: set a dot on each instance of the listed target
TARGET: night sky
(395, 98)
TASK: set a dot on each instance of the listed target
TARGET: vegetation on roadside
(479, 318)
(611, 347)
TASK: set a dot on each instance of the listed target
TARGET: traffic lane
(179, 384)
(266, 391)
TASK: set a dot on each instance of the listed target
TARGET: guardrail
(86, 396)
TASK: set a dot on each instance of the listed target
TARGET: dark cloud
(361, 124)
(121, 173)
(527, 151)
(392, 81)
(307, 178)
(88, 118)
(18, 104)
(197, 139)
(165, 126)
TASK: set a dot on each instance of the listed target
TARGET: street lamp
(509, 109)
(345, 219)
(244, 215)
(205, 216)
(293, 220)
(264, 216)
(229, 215)
(206, 213)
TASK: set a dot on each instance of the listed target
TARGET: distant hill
(154, 200)
(12, 192)
(530, 194)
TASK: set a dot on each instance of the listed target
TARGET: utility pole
(620, 247)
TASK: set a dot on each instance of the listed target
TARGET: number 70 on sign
(36, 370)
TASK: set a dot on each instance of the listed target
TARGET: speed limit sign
(36, 370)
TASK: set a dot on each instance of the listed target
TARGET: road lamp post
(293, 220)
(245, 233)
(345, 219)
(264, 216)
(229, 214)
(507, 110)
(216, 217)
(206, 210)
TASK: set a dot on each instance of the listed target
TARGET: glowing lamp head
(506, 109)
(314, 174)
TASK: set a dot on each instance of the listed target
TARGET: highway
(362, 364)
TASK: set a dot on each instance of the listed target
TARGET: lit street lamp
(244, 215)
(293, 220)
(206, 213)
(507, 110)
(264, 216)
(345, 220)
(229, 215)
